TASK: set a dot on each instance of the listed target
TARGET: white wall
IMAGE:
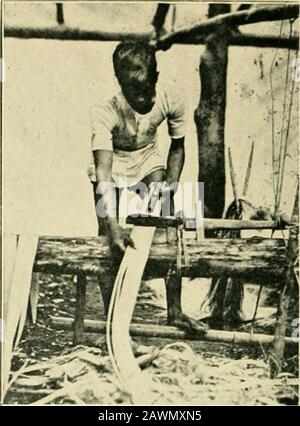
(49, 88)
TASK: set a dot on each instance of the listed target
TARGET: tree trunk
(210, 117)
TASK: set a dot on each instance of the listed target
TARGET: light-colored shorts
(130, 167)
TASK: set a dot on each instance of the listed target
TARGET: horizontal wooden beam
(254, 260)
(237, 38)
(210, 224)
(255, 40)
(75, 34)
(169, 332)
(230, 20)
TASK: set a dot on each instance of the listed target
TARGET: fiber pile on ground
(178, 375)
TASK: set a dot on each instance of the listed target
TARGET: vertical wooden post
(60, 14)
(210, 117)
(79, 309)
(160, 17)
(277, 357)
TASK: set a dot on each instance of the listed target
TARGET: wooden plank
(255, 260)
(169, 332)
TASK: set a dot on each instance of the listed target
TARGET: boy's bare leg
(106, 285)
(176, 317)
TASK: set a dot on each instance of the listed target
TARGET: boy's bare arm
(106, 189)
(175, 160)
(175, 164)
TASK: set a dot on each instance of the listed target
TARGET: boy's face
(140, 95)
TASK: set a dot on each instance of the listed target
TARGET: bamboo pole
(169, 332)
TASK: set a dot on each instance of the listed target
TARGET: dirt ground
(42, 342)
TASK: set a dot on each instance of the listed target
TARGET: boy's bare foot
(189, 325)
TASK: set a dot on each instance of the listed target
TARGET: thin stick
(248, 172)
(232, 176)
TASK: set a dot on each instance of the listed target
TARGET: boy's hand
(119, 240)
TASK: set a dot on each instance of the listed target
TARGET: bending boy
(125, 145)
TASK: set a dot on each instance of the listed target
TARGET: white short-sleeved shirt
(132, 137)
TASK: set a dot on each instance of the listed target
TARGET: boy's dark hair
(134, 61)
